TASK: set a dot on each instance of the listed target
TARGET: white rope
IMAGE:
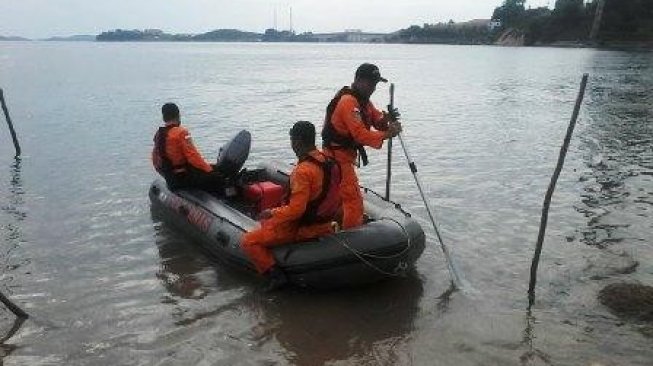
(361, 256)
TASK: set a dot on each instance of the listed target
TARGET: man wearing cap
(175, 157)
(351, 123)
(312, 207)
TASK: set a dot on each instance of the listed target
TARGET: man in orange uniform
(348, 125)
(175, 157)
(312, 207)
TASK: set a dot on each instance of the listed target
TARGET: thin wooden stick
(11, 125)
(549, 192)
(11, 306)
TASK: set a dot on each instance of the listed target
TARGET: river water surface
(108, 285)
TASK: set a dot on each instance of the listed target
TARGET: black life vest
(160, 159)
(331, 138)
(326, 206)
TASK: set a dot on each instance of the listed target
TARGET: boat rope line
(397, 205)
(401, 267)
(408, 242)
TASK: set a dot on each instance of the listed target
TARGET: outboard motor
(232, 157)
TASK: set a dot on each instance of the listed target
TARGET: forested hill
(5, 38)
(573, 20)
(569, 22)
(156, 35)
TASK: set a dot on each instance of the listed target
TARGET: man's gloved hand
(394, 129)
(393, 113)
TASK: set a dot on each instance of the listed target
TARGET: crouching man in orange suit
(312, 208)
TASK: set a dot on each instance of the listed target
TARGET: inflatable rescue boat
(387, 245)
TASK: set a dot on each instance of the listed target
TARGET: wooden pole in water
(549, 192)
(596, 25)
(11, 125)
(11, 306)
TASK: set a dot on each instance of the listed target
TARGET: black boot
(276, 279)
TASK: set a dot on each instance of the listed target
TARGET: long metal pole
(388, 177)
(549, 192)
(455, 277)
(11, 125)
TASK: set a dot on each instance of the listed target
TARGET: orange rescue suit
(181, 151)
(283, 227)
(347, 120)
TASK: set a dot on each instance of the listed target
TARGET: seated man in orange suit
(176, 158)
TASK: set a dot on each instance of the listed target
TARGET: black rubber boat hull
(386, 247)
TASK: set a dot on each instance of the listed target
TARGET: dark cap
(369, 72)
(170, 111)
(303, 131)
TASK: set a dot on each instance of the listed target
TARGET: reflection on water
(532, 354)
(14, 328)
(178, 268)
(367, 325)
(182, 263)
(618, 150)
(13, 214)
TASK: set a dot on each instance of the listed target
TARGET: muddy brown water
(108, 285)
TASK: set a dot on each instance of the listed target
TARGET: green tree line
(568, 21)
(572, 20)
(444, 33)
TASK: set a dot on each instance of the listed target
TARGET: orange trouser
(256, 243)
(352, 199)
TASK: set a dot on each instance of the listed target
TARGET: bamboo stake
(549, 192)
(11, 125)
(596, 25)
(11, 306)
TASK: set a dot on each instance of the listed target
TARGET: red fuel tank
(263, 195)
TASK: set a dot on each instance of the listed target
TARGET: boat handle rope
(361, 256)
(408, 242)
(397, 205)
(344, 243)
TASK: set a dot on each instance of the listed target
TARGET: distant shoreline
(602, 24)
(472, 33)
(645, 46)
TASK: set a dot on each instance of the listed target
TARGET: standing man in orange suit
(351, 123)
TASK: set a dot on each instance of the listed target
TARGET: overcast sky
(45, 18)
